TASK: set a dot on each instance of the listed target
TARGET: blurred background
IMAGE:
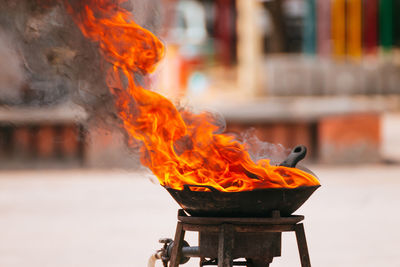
(323, 73)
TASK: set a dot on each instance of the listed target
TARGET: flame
(179, 147)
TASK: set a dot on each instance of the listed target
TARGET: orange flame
(180, 147)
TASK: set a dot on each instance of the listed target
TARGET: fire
(179, 147)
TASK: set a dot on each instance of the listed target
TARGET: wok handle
(298, 153)
(188, 186)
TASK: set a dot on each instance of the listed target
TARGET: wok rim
(254, 190)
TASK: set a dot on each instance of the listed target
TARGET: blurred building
(300, 71)
(315, 72)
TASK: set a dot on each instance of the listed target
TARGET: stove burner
(223, 239)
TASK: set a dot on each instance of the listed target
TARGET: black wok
(256, 203)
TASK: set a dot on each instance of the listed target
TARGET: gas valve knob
(166, 250)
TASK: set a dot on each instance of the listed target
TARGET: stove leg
(302, 245)
(225, 246)
(177, 248)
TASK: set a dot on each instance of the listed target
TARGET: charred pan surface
(255, 203)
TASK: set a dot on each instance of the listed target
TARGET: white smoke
(263, 150)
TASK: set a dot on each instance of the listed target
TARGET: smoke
(263, 150)
(11, 72)
(46, 60)
(257, 149)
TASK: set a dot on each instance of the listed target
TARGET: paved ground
(114, 219)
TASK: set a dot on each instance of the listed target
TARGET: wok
(255, 203)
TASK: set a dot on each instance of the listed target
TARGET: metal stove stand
(221, 240)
